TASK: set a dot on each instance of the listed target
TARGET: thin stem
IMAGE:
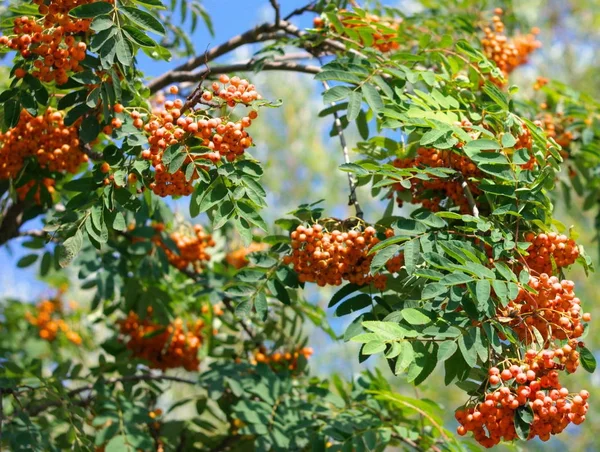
(352, 199)
(470, 200)
(275, 6)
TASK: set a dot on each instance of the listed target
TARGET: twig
(34, 411)
(352, 199)
(301, 10)
(260, 33)
(176, 77)
(11, 221)
(275, 6)
(37, 233)
(470, 200)
(87, 150)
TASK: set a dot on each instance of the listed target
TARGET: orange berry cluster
(554, 127)
(163, 346)
(281, 360)
(507, 53)
(23, 190)
(383, 35)
(443, 189)
(232, 90)
(533, 384)
(328, 258)
(540, 82)
(239, 258)
(554, 311)
(46, 138)
(48, 319)
(192, 247)
(53, 41)
(168, 126)
(547, 247)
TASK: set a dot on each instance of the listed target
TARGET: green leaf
(354, 104)
(69, 249)
(26, 261)
(405, 357)
(482, 145)
(382, 257)
(372, 97)
(12, 112)
(89, 129)
(412, 249)
(354, 304)
(91, 10)
(415, 316)
(466, 344)
(433, 290)
(587, 359)
(373, 347)
(336, 94)
(119, 222)
(446, 350)
(387, 331)
(483, 290)
(142, 19)
(455, 279)
(523, 420)
(342, 293)
(138, 37)
(338, 75)
(124, 52)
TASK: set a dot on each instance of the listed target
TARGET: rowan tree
(461, 272)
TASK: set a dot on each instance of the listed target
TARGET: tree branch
(352, 199)
(186, 76)
(470, 200)
(34, 411)
(301, 10)
(275, 6)
(11, 221)
(260, 33)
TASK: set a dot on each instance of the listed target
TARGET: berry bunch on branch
(163, 346)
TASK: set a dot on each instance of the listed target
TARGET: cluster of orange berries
(238, 258)
(46, 138)
(328, 258)
(554, 127)
(279, 360)
(507, 53)
(192, 247)
(48, 319)
(232, 90)
(540, 82)
(554, 310)
(164, 347)
(53, 41)
(23, 190)
(547, 247)
(168, 126)
(383, 29)
(532, 385)
(442, 189)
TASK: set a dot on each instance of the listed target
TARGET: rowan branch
(275, 6)
(469, 195)
(34, 411)
(352, 199)
(260, 33)
(187, 76)
(298, 11)
(11, 221)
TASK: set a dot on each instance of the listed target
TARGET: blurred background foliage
(301, 159)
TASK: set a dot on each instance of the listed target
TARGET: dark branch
(34, 411)
(11, 221)
(275, 6)
(298, 11)
(176, 77)
(260, 33)
(470, 200)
